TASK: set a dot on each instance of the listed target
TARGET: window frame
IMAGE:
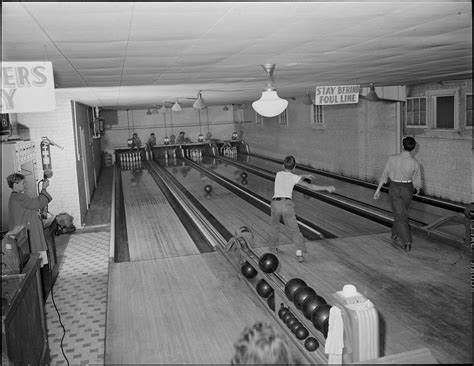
(465, 113)
(283, 118)
(313, 112)
(432, 96)
(426, 125)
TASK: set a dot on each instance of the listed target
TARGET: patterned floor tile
(80, 294)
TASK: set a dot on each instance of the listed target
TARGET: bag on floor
(65, 224)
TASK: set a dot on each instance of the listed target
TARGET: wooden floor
(185, 307)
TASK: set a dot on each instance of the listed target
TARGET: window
(283, 118)
(443, 107)
(416, 112)
(444, 112)
(258, 119)
(469, 110)
(317, 116)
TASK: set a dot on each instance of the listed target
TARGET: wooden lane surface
(178, 310)
(334, 219)
(228, 208)
(423, 297)
(154, 230)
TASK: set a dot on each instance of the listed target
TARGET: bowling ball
(293, 285)
(301, 294)
(271, 301)
(290, 321)
(208, 188)
(287, 316)
(301, 332)
(321, 316)
(282, 312)
(310, 304)
(268, 263)
(248, 271)
(263, 288)
(243, 175)
(293, 327)
(311, 344)
(244, 182)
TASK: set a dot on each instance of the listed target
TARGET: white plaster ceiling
(133, 55)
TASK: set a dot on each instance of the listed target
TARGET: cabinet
(24, 332)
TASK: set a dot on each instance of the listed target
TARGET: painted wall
(120, 125)
(58, 126)
(357, 140)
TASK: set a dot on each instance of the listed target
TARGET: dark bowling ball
(293, 285)
(248, 271)
(310, 304)
(291, 320)
(243, 175)
(282, 312)
(301, 333)
(287, 316)
(268, 262)
(320, 316)
(301, 294)
(263, 288)
(244, 182)
(271, 301)
(208, 188)
(311, 344)
(295, 326)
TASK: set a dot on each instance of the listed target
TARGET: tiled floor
(80, 294)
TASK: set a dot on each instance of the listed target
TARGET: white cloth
(284, 183)
(335, 340)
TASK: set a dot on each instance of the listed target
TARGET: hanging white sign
(27, 87)
(344, 94)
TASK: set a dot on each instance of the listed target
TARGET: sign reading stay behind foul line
(344, 94)
(27, 87)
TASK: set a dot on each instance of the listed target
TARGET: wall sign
(27, 87)
(344, 94)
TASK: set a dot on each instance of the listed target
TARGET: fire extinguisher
(46, 165)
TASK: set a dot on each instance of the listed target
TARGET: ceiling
(132, 55)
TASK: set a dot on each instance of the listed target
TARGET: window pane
(423, 118)
(469, 102)
(469, 118)
(422, 104)
(416, 105)
(409, 119)
(416, 120)
(445, 112)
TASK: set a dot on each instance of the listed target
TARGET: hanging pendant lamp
(307, 99)
(176, 106)
(199, 103)
(372, 95)
(270, 104)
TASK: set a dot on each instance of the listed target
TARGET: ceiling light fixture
(372, 95)
(307, 99)
(176, 106)
(225, 108)
(199, 103)
(148, 112)
(163, 108)
(270, 104)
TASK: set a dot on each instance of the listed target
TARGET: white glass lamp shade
(176, 107)
(270, 104)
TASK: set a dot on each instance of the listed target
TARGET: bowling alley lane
(151, 221)
(418, 211)
(331, 218)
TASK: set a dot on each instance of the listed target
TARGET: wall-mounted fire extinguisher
(47, 166)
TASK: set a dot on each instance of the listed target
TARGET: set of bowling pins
(230, 151)
(131, 160)
(194, 154)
